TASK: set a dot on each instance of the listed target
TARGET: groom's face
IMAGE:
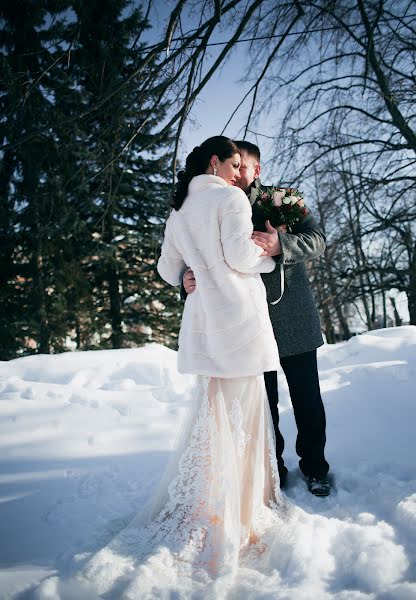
(249, 171)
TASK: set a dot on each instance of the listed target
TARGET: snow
(84, 438)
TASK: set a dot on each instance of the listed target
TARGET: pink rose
(278, 197)
(301, 202)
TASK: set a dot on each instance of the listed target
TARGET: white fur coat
(226, 329)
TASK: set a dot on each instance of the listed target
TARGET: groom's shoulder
(258, 185)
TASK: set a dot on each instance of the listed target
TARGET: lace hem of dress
(212, 518)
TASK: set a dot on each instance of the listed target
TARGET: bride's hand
(189, 282)
(269, 240)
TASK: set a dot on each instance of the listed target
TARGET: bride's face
(228, 169)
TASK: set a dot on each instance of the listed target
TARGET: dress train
(217, 506)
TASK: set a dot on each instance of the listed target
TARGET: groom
(296, 327)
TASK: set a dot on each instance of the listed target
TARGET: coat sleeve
(240, 252)
(183, 293)
(306, 242)
(170, 265)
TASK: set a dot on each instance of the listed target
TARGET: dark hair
(197, 163)
(251, 149)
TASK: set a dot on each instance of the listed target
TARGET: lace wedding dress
(219, 506)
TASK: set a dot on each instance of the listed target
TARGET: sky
(85, 437)
(220, 97)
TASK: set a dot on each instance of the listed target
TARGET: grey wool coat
(295, 317)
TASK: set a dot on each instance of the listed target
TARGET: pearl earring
(215, 170)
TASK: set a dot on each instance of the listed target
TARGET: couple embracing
(296, 327)
(231, 330)
(220, 504)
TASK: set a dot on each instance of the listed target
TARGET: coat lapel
(252, 192)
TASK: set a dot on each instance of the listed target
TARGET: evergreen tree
(82, 180)
(29, 177)
(125, 190)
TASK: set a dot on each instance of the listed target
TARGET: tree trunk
(40, 303)
(383, 295)
(397, 320)
(355, 227)
(78, 339)
(329, 329)
(411, 292)
(115, 305)
(343, 324)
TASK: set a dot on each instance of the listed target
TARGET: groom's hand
(188, 281)
(269, 240)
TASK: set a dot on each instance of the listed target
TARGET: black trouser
(301, 372)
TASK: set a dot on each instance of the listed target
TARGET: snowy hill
(84, 438)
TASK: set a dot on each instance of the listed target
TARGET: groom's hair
(251, 149)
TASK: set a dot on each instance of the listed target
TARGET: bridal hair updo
(197, 163)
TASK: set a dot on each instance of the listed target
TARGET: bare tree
(350, 84)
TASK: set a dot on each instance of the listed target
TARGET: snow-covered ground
(84, 438)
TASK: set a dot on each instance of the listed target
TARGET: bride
(221, 495)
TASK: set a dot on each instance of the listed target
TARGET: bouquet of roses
(283, 207)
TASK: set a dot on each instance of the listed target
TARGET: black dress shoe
(318, 486)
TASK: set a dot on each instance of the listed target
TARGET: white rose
(287, 200)
(294, 199)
